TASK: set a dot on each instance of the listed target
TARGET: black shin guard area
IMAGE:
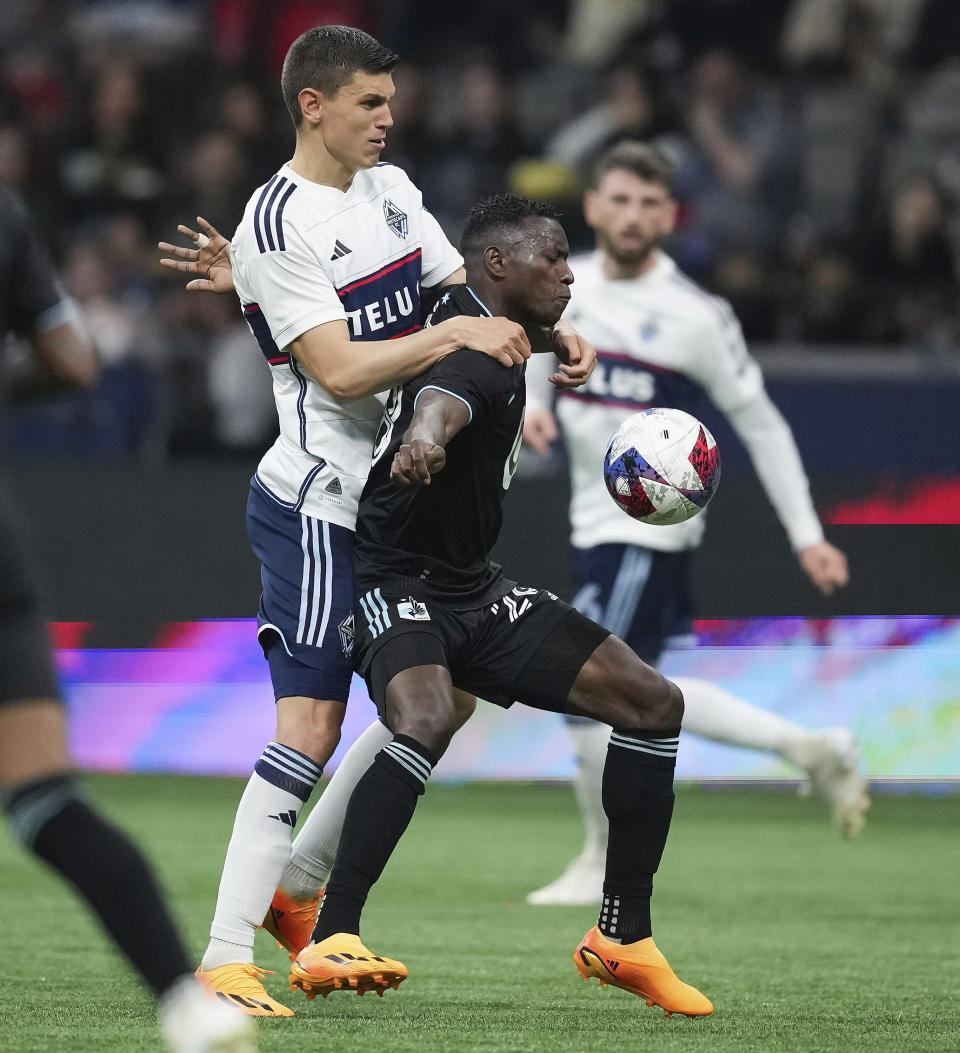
(380, 809)
(638, 800)
(51, 818)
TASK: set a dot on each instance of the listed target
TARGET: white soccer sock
(713, 713)
(259, 847)
(590, 741)
(315, 846)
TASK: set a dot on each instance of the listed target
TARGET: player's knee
(310, 726)
(433, 727)
(649, 700)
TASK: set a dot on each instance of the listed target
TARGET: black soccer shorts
(526, 646)
(26, 655)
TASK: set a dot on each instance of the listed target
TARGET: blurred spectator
(240, 391)
(937, 35)
(910, 267)
(410, 142)
(631, 108)
(115, 161)
(737, 180)
(214, 180)
(14, 157)
(263, 136)
(474, 145)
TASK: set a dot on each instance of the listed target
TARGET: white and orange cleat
(290, 921)
(642, 970)
(342, 963)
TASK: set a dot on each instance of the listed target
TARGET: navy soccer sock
(380, 809)
(638, 800)
(51, 818)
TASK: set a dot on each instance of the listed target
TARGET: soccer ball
(662, 466)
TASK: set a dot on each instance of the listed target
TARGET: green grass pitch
(803, 941)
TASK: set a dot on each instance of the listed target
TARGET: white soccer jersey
(661, 340)
(305, 254)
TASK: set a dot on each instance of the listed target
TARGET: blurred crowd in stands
(816, 144)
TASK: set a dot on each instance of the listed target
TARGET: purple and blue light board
(200, 701)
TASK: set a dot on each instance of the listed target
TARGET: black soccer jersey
(29, 289)
(435, 540)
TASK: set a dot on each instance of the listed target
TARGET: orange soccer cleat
(642, 970)
(240, 985)
(342, 963)
(290, 921)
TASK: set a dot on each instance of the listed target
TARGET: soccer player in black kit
(433, 611)
(48, 811)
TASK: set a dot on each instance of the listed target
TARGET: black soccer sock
(638, 800)
(51, 818)
(380, 809)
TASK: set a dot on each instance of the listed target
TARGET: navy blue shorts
(641, 595)
(306, 607)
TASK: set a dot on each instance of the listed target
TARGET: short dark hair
(325, 58)
(497, 214)
(643, 160)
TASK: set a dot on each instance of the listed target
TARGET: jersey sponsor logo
(620, 380)
(413, 610)
(348, 634)
(396, 218)
(386, 303)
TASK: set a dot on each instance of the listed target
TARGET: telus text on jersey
(382, 314)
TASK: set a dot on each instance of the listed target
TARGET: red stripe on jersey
(379, 274)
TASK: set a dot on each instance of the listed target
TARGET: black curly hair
(500, 213)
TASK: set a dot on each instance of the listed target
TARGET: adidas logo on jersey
(396, 219)
(334, 487)
(287, 818)
(340, 250)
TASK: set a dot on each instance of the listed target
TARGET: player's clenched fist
(415, 462)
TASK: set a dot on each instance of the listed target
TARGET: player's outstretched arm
(209, 261)
(437, 418)
(349, 373)
(825, 565)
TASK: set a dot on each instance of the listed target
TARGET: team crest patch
(413, 610)
(396, 220)
(347, 635)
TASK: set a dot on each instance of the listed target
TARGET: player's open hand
(578, 358)
(498, 337)
(825, 566)
(416, 462)
(209, 260)
(539, 429)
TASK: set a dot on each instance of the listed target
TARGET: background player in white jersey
(664, 341)
(328, 262)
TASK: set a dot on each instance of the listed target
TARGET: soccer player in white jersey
(328, 262)
(664, 341)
